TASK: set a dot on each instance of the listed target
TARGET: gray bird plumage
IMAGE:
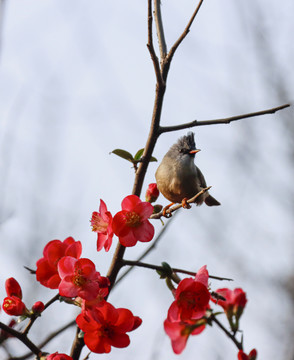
(178, 177)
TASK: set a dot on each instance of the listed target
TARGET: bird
(178, 178)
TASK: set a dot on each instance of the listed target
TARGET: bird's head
(185, 146)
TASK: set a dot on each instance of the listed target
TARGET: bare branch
(150, 45)
(159, 30)
(161, 268)
(228, 120)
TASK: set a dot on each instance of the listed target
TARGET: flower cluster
(13, 304)
(190, 311)
(79, 282)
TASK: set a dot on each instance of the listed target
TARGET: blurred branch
(23, 338)
(2, 8)
(228, 120)
(149, 249)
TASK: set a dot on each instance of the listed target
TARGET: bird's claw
(185, 205)
(164, 213)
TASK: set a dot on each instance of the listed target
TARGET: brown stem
(227, 120)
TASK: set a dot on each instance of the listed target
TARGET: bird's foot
(185, 205)
(165, 209)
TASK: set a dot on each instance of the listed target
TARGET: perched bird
(178, 178)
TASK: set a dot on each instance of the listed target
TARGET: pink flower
(107, 326)
(152, 193)
(252, 355)
(131, 224)
(101, 223)
(78, 278)
(47, 273)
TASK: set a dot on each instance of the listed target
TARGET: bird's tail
(211, 201)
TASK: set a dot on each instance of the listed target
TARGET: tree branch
(228, 120)
(231, 336)
(178, 206)
(159, 30)
(161, 268)
(150, 45)
(23, 338)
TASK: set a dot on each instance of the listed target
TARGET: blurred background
(76, 82)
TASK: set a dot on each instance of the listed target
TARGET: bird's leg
(165, 209)
(185, 205)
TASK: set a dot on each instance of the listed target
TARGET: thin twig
(228, 120)
(23, 338)
(47, 340)
(159, 30)
(34, 317)
(149, 249)
(231, 336)
(176, 207)
(161, 268)
(173, 49)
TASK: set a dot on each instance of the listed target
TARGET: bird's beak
(194, 151)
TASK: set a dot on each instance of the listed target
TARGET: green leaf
(153, 159)
(139, 154)
(123, 154)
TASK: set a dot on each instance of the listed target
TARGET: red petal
(129, 240)
(130, 202)
(202, 276)
(66, 266)
(144, 209)
(144, 232)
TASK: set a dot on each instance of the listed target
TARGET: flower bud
(152, 193)
(57, 356)
(13, 288)
(38, 307)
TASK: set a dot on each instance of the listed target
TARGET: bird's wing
(201, 178)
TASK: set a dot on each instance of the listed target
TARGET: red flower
(13, 305)
(152, 193)
(57, 356)
(179, 331)
(131, 224)
(252, 355)
(192, 296)
(47, 273)
(235, 299)
(102, 224)
(13, 288)
(79, 278)
(107, 326)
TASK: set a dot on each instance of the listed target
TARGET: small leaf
(153, 159)
(123, 154)
(139, 154)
